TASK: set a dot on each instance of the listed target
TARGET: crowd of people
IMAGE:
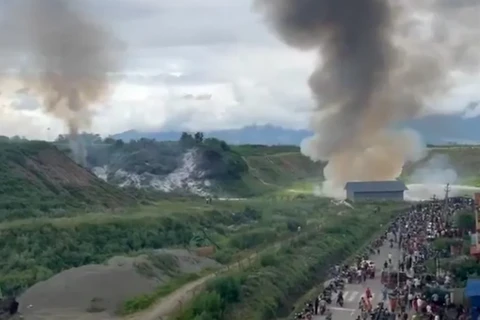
(409, 288)
(409, 291)
(341, 275)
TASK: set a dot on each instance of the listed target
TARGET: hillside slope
(196, 165)
(279, 165)
(39, 180)
(447, 164)
(212, 167)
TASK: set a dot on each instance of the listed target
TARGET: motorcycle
(323, 310)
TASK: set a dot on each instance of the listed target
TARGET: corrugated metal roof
(375, 186)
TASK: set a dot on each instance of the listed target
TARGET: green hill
(196, 165)
(464, 160)
(38, 180)
(210, 166)
(56, 215)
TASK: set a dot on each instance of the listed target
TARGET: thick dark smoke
(380, 62)
(71, 55)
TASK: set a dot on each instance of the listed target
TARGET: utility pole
(445, 204)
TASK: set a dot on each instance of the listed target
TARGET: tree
(187, 140)
(465, 221)
(198, 137)
(109, 140)
(119, 143)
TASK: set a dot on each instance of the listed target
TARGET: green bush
(465, 220)
(269, 287)
(253, 238)
(221, 292)
(268, 259)
(147, 300)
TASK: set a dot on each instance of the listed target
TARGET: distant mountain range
(265, 134)
(435, 129)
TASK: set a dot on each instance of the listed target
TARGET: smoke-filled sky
(380, 62)
(192, 64)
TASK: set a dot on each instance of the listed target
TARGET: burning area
(380, 62)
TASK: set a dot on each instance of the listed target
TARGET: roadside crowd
(410, 290)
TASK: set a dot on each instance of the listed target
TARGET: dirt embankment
(96, 292)
(171, 304)
(282, 168)
(37, 170)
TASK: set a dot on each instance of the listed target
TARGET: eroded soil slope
(38, 179)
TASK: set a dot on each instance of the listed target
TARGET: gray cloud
(204, 45)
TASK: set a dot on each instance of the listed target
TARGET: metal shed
(375, 190)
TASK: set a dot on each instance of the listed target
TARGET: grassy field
(34, 249)
(269, 287)
(55, 215)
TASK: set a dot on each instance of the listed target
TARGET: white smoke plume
(70, 53)
(437, 170)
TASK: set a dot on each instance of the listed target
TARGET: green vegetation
(269, 287)
(147, 300)
(240, 171)
(39, 181)
(465, 221)
(249, 150)
(464, 159)
(55, 215)
(214, 158)
(34, 249)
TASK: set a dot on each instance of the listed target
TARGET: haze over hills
(435, 129)
(255, 134)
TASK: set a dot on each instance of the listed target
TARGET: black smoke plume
(380, 62)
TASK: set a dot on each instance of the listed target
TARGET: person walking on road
(384, 293)
(368, 293)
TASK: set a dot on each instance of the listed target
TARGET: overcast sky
(192, 64)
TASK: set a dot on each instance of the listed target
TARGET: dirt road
(179, 298)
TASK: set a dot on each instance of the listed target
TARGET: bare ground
(167, 306)
(95, 292)
(68, 295)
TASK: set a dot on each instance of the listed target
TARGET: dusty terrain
(97, 291)
(420, 192)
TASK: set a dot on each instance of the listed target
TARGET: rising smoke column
(380, 62)
(73, 55)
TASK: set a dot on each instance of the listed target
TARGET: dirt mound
(98, 291)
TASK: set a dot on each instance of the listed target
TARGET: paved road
(353, 292)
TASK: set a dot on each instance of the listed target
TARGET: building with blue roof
(375, 190)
